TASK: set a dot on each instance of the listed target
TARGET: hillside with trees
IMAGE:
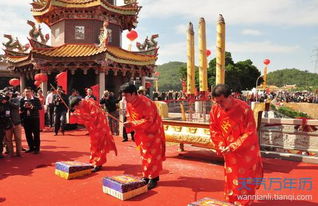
(283, 77)
(170, 77)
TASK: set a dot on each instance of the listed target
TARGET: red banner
(61, 80)
(95, 90)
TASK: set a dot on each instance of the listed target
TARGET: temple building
(86, 42)
(5, 75)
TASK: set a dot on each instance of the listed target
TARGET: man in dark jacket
(29, 107)
(60, 109)
(16, 129)
(110, 106)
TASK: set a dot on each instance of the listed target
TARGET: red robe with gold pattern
(149, 134)
(236, 128)
(89, 113)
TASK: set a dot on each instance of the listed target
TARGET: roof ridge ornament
(149, 44)
(130, 1)
(36, 32)
(37, 4)
(13, 45)
(104, 35)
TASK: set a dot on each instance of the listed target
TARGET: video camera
(3, 97)
(5, 121)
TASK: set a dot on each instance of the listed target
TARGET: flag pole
(114, 118)
(60, 97)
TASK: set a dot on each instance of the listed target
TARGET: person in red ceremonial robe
(143, 118)
(89, 113)
(233, 131)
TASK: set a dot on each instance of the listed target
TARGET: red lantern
(208, 52)
(47, 36)
(27, 46)
(44, 78)
(14, 82)
(148, 85)
(38, 77)
(267, 61)
(132, 35)
(37, 83)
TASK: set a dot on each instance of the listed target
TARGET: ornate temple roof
(16, 59)
(83, 50)
(45, 5)
(42, 7)
(70, 50)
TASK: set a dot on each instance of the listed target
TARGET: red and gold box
(124, 186)
(210, 202)
(72, 169)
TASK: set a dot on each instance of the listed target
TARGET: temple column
(143, 81)
(44, 86)
(22, 82)
(101, 83)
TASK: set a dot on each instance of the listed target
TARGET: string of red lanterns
(39, 79)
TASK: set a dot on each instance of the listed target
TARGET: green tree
(239, 76)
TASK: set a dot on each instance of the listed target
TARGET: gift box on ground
(72, 169)
(210, 202)
(124, 186)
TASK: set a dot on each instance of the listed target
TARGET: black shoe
(152, 184)
(125, 140)
(1, 156)
(36, 152)
(23, 149)
(63, 133)
(156, 179)
(145, 179)
(29, 150)
(96, 168)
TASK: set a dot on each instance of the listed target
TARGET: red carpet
(188, 176)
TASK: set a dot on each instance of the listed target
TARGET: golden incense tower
(202, 57)
(220, 51)
(190, 61)
(265, 77)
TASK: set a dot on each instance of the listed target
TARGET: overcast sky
(284, 31)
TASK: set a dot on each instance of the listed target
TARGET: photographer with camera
(5, 119)
(109, 102)
(16, 129)
(60, 110)
(29, 107)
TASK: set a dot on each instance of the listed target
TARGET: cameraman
(5, 119)
(29, 107)
(60, 109)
